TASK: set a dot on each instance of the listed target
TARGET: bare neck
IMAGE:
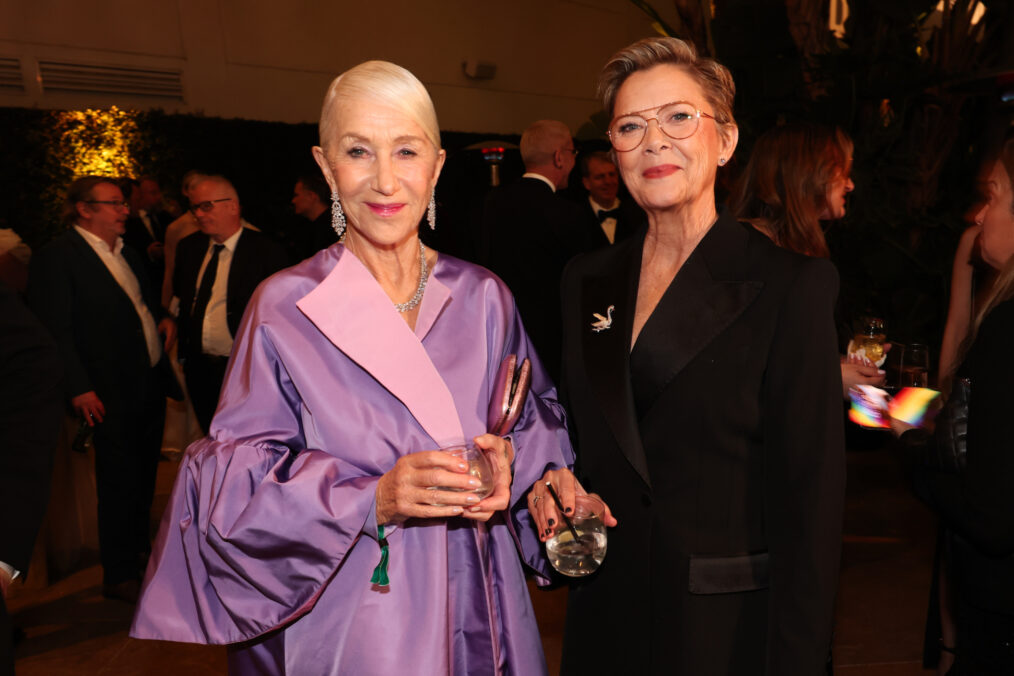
(318, 209)
(674, 234)
(108, 238)
(395, 267)
(220, 238)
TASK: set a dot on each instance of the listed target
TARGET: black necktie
(609, 213)
(202, 298)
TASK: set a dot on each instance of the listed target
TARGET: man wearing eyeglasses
(94, 296)
(216, 272)
(531, 232)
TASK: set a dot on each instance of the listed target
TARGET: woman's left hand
(566, 485)
(500, 453)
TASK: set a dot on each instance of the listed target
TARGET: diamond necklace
(423, 276)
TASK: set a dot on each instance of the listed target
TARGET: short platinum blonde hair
(541, 140)
(384, 83)
(714, 78)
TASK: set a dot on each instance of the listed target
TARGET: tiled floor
(71, 630)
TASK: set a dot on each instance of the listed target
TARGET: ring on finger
(535, 500)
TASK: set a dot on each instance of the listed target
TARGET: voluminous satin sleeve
(541, 443)
(253, 530)
(805, 462)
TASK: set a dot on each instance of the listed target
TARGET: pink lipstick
(385, 209)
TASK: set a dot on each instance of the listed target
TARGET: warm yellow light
(98, 142)
(837, 16)
(977, 13)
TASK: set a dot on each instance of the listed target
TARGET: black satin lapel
(607, 352)
(691, 313)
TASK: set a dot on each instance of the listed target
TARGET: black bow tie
(609, 213)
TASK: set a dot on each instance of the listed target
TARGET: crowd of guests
(304, 529)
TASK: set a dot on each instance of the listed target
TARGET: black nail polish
(552, 522)
(569, 510)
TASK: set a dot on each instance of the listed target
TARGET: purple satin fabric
(273, 551)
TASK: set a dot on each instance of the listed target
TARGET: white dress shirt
(215, 336)
(532, 174)
(124, 276)
(608, 225)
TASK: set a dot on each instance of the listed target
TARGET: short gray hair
(714, 78)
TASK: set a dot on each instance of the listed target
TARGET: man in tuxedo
(145, 227)
(532, 232)
(94, 296)
(310, 200)
(216, 272)
(31, 408)
(616, 218)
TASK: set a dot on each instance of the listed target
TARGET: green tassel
(380, 572)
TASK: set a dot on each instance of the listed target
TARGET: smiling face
(996, 216)
(662, 173)
(384, 169)
(602, 181)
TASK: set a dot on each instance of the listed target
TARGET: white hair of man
(541, 141)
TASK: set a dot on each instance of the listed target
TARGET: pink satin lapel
(355, 314)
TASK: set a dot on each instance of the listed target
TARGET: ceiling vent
(152, 83)
(11, 81)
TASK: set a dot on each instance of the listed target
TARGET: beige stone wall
(273, 59)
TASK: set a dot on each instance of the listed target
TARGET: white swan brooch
(603, 323)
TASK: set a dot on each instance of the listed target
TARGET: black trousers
(985, 642)
(205, 374)
(6, 644)
(127, 446)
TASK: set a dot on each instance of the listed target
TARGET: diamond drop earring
(337, 215)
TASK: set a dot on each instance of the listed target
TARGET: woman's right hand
(859, 371)
(405, 491)
(542, 507)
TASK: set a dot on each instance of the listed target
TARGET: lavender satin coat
(273, 550)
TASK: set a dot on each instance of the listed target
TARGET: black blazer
(137, 237)
(978, 505)
(532, 233)
(95, 326)
(30, 412)
(256, 258)
(729, 488)
(629, 219)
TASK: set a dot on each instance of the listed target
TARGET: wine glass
(915, 366)
(479, 468)
(577, 557)
(869, 340)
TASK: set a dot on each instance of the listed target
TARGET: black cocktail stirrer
(563, 514)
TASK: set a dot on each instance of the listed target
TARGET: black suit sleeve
(30, 413)
(804, 471)
(51, 297)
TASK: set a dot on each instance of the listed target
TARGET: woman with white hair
(305, 530)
